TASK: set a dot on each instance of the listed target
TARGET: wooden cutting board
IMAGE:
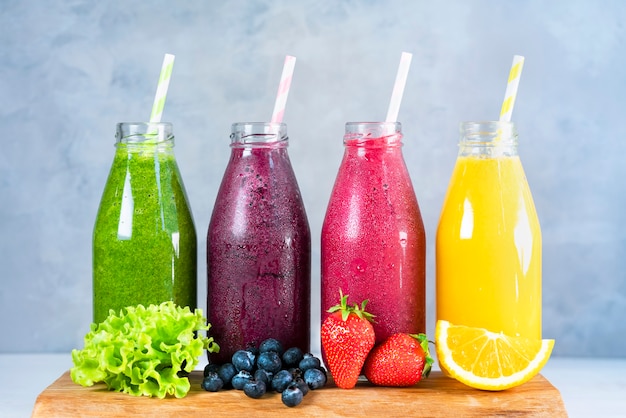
(436, 396)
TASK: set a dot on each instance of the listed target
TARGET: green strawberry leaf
(423, 340)
(347, 310)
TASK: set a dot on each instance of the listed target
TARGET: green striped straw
(161, 93)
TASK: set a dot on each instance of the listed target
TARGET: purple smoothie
(258, 247)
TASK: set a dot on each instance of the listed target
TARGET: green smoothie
(144, 239)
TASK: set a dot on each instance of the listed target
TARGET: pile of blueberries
(257, 371)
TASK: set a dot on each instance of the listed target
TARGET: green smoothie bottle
(144, 238)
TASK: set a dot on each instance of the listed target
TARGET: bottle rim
(370, 133)
(487, 139)
(373, 124)
(149, 133)
(258, 134)
(488, 132)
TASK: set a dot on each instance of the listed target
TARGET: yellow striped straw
(162, 86)
(511, 88)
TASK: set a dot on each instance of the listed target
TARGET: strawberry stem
(347, 310)
(423, 340)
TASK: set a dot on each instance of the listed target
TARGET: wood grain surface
(437, 396)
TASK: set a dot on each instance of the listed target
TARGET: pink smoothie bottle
(258, 247)
(373, 240)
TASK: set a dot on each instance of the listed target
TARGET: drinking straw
(283, 89)
(162, 86)
(398, 87)
(511, 88)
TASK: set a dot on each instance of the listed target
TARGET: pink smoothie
(373, 241)
(258, 253)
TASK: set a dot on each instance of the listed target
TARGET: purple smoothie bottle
(258, 247)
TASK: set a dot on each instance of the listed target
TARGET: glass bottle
(144, 238)
(373, 240)
(488, 247)
(258, 247)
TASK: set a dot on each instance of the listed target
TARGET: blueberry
(292, 357)
(243, 360)
(226, 372)
(296, 372)
(292, 396)
(211, 367)
(281, 380)
(271, 344)
(254, 388)
(315, 378)
(253, 353)
(251, 347)
(240, 379)
(264, 376)
(309, 362)
(300, 383)
(270, 361)
(212, 382)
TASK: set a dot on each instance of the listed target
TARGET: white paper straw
(398, 87)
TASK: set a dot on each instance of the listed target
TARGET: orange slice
(487, 360)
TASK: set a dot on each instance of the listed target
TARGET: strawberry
(400, 360)
(347, 338)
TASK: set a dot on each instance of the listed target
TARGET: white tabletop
(589, 387)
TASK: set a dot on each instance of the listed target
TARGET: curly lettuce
(143, 351)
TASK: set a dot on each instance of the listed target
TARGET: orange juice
(488, 246)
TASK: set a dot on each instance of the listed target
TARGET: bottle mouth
(258, 134)
(144, 133)
(488, 139)
(488, 132)
(373, 133)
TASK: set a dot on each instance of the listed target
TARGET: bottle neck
(259, 135)
(139, 135)
(488, 139)
(373, 134)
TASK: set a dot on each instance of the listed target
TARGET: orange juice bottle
(488, 245)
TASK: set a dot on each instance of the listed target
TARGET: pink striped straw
(283, 89)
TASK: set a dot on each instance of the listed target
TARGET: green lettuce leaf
(144, 351)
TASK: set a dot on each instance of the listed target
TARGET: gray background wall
(70, 71)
